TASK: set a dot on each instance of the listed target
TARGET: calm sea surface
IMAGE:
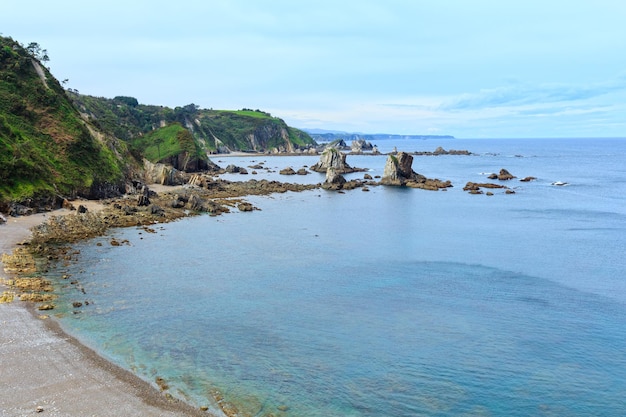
(393, 302)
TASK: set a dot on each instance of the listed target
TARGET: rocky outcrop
(334, 180)
(398, 169)
(475, 187)
(287, 171)
(185, 162)
(442, 151)
(359, 145)
(245, 206)
(143, 199)
(504, 175)
(162, 174)
(399, 172)
(333, 158)
(232, 169)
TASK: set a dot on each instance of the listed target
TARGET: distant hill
(214, 130)
(320, 135)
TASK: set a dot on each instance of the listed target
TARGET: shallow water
(390, 302)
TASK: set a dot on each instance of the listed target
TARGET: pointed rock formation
(336, 159)
(334, 180)
(398, 171)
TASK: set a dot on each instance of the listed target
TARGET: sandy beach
(42, 367)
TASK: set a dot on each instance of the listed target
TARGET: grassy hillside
(45, 147)
(166, 142)
(56, 143)
(213, 130)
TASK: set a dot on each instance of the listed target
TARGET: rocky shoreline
(191, 194)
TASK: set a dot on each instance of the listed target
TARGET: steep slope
(46, 149)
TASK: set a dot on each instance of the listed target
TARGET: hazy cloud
(522, 94)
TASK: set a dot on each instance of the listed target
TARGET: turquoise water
(393, 302)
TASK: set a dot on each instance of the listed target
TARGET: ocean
(392, 302)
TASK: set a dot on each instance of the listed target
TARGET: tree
(35, 50)
(158, 141)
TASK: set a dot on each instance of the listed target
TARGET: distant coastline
(320, 135)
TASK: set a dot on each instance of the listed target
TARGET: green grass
(166, 142)
(249, 113)
(45, 147)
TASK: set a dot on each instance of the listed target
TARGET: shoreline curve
(44, 368)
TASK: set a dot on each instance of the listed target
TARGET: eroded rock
(334, 180)
(399, 172)
(333, 158)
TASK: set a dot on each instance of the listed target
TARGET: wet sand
(41, 366)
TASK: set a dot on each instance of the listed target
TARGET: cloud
(523, 94)
(561, 110)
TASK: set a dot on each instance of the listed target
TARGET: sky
(467, 68)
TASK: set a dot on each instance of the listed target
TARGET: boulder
(302, 171)
(505, 175)
(156, 210)
(287, 171)
(16, 210)
(245, 206)
(67, 204)
(196, 203)
(143, 198)
(232, 169)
